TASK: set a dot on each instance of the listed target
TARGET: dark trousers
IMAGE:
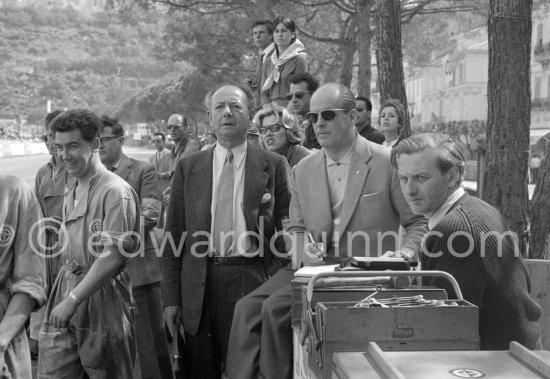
(205, 352)
(261, 334)
(154, 357)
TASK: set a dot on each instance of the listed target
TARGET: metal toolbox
(352, 289)
(518, 362)
(342, 327)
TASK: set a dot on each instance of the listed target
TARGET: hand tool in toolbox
(343, 326)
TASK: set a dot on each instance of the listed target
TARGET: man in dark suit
(161, 160)
(232, 187)
(145, 268)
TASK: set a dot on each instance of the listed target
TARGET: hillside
(56, 54)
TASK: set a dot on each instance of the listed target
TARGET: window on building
(548, 87)
(539, 35)
(537, 88)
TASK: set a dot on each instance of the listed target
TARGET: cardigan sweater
(465, 243)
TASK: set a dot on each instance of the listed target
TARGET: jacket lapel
(357, 176)
(320, 199)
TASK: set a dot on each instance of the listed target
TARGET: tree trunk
(346, 70)
(509, 101)
(389, 56)
(364, 73)
(540, 215)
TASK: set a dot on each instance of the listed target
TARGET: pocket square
(266, 198)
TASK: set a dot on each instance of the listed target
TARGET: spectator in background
(302, 86)
(183, 146)
(288, 58)
(161, 160)
(281, 134)
(363, 124)
(392, 119)
(145, 268)
(22, 272)
(262, 33)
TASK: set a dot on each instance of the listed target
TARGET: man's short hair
(251, 100)
(267, 23)
(50, 116)
(78, 119)
(111, 122)
(399, 109)
(367, 102)
(450, 153)
(312, 82)
(161, 135)
(346, 98)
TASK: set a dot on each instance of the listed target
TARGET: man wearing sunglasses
(364, 122)
(302, 86)
(345, 200)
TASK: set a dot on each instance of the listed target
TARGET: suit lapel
(320, 199)
(255, 184)
(357, 176)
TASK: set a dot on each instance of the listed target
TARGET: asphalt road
(25, 167)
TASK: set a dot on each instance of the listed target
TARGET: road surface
(25, 167)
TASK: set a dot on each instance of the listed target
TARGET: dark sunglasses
(298, 94)
(274, 128)
(327, 115)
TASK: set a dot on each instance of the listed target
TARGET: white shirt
(437, 216)
(391, 143)
(239, 222)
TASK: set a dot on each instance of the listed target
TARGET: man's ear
(454, 178)
(95, 144)
(353, 117)
(122, 140)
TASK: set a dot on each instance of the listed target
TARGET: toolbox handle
(343, 274)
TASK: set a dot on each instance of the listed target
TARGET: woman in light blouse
(288, 59)
(391, 119)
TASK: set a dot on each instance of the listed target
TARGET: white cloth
(297, 48)
(437, 216)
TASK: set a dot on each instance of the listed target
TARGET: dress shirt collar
(346, 159)
(391, 143)
(239, 153)
(437, 216)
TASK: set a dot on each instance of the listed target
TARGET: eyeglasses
(102, 140)
(360, 109)
(157, 139)
(298, 94)
(274, 128)
(327, 115)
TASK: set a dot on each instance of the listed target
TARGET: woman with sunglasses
(288, 59)
(391, 120)
(281, 134)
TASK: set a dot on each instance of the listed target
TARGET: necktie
(223, 219)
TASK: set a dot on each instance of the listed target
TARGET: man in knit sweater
(469, 239)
